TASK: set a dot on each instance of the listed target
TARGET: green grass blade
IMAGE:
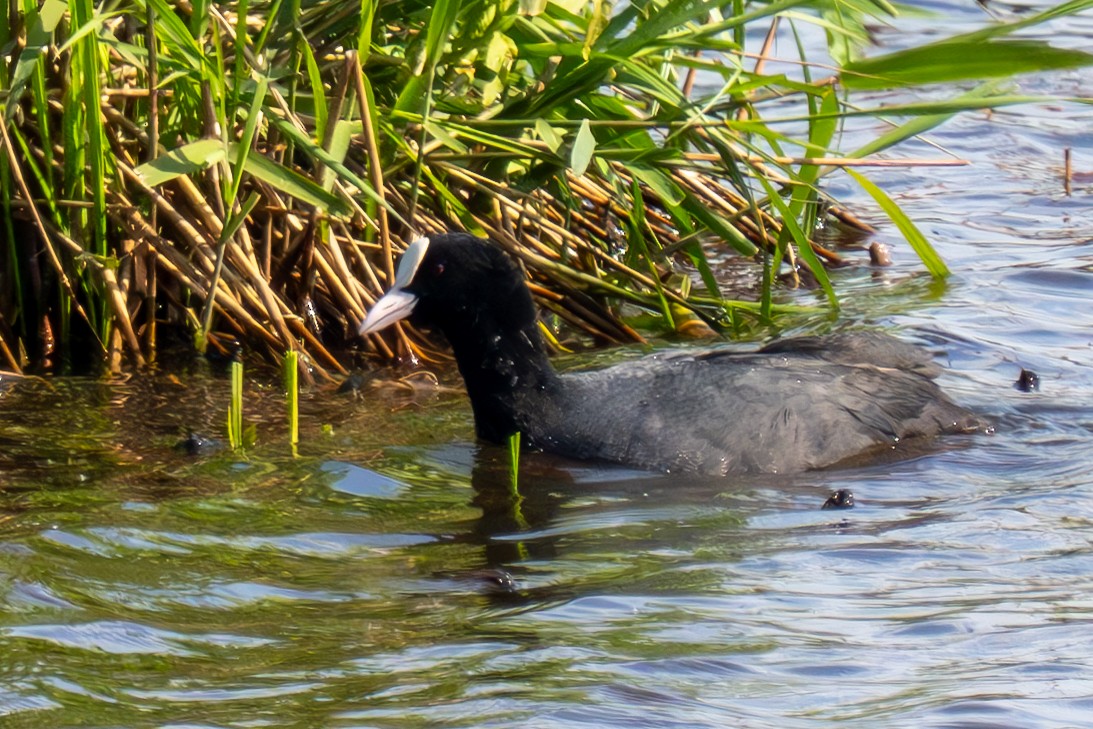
(230, 228)
(804, 248)
(921, 246)
(239, 66)
(456, 206)
(40, 176)
(293, 183)
(364, 29)
(318, 94)
(416, 95)
(39, 36)
(1052, 13)
(280, 175)
(685, 209)
(184, 160)
(292, 395)
(916, 108)
(235, 407)
(638, 226)
(588, 76)
(199, 17)
(584, 146)
(497, 142)
(83, 101)
(235, 222)
(718, 225)
(950, 61)
(177, 37)
(821, 129)
(272, 12)
(514, 463)
(340, 139)
(243, 148)
(919, 125)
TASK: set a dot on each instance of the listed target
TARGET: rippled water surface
(387, 577)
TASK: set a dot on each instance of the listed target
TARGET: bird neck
(507, 373)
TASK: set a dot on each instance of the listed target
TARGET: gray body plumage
(798, 405)
(795, 405)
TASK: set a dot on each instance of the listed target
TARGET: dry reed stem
(12, 362)
(316, 347)
(540, 229)
(577, 323)
(121, 313)
(760, 63)
(117, 300)
(1068, 173)
(361, 262)
(576, 243)
(847, 218)
(374, 161)
(243, 263)
(178, 266)
(563, 273)
(179, 223)
(337, 259)
(768, 44)
(338, 289)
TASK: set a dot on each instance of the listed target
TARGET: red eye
(438, 269)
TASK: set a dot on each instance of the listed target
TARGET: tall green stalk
(514, 480)
(235, 407)
(87, 65)
(292, 397)
(568, 131)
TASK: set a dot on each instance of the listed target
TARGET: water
(387, 579)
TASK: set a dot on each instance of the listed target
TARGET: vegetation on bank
(251, 169)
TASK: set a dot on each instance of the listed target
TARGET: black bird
(795, 405)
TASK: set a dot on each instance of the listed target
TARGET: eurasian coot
(797, 404)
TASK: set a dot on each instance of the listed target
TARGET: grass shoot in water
(514, 476)
(624, 111)
(292, 393)
(235, 407)
(514, 462)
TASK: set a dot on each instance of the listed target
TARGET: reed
(251, 169)
(292, 398)
(236, 436)
(514, 463)
(516, 498)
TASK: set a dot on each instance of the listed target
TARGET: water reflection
(409, 585)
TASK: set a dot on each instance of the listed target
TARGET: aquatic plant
(291, 369)
(235, 407)
(514, 462)
(251, 169)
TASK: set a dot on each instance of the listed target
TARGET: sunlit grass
(292, 397)
(235, 407)
(252, 169)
